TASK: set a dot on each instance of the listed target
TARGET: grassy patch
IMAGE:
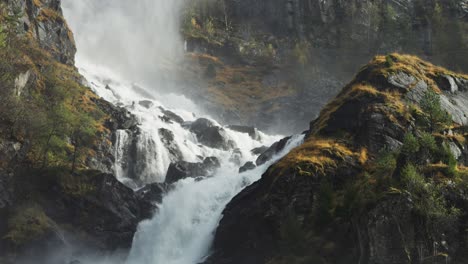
(27, 223)
(317, 155)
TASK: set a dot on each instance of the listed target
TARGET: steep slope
(56, 143)
(284, 60)
(381, 178)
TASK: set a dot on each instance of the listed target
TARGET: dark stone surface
(211, 135)
(153, 193)
(272, 151)
(171, 116)
(259, 150)
(247, 166)
(182, 169)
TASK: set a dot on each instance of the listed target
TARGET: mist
(133, 38)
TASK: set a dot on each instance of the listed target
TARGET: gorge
(148, 146)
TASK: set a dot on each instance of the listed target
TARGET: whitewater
(122, 48)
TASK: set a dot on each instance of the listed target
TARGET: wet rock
(146, 103)
(182, 169)
(153, 193)
(211, 135)
(171, 116)
(252, 131)
(236, 157)
(272, 151)
(167, 138)
(103, 213)
(247, 166)
(119, 118)
(259, 150)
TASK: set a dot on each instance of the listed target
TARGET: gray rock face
(167, 138)
(119, 119)
(247, 166)
(182, 169)
(259, 150)
(211, 135)
(153, 193)
(171, 116)
(272, 151)
(45, 22)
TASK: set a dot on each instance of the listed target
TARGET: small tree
(434, 116)
(2, 38)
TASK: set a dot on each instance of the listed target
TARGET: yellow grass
(317, 155)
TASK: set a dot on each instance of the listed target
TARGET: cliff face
(56, 144)
(309, 48)
(376, 180)
(44, 21)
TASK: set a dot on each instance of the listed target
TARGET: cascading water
(135, 39)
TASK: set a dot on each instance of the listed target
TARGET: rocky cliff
(43, 20)
(56, 144)
(380, 178)
(269, 59)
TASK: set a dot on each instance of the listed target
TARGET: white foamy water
(183, 230)
(121, 43)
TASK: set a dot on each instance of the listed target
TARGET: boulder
(247, 166)
(272, 151)
(182, 169)
(167, 138)
(146, 103)
(89, 208)
(152, 193)
(236, 156)
(171, 116)
(119, 118)
(211, 135)
(259, 150)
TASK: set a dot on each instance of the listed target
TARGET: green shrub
(2, 38)
(209, 27)
(428, 147)
(301, 52)
(27, 223)
(435, 118)
(389, 61)
(428, 198)
(412, 180)
(410, 146)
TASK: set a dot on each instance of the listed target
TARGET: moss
(361, 91)
(316, 156)
(37, 3)
(50, 14)
(27, 223)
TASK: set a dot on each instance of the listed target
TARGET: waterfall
(123, 48)
(183, 229)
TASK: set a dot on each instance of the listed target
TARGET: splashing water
(183, 230)
(136, 39)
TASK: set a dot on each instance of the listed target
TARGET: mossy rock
(28, 223)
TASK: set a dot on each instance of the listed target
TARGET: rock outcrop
(295, 55)
(49, 197)
(182, 169)
(43, 20)
(211, 135)
(349, 193)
